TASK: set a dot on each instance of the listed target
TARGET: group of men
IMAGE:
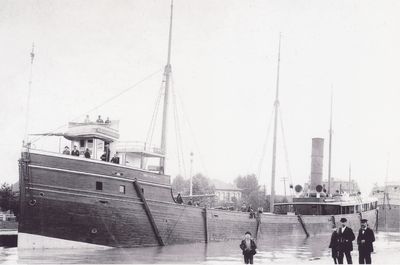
(104, 157)
(74, 152)
(342, 243)
(99, 119)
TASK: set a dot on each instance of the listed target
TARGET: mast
(349, 178)
(330, 148)
(26, 140)
(191, 175)
(167, 74)
(276, 105)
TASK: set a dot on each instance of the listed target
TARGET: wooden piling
(148, 212)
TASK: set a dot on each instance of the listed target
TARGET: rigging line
(150, 132)
(178, 129)
(32, 54)
(106, 101)
(285, 150)
(186, 119)
(264, 149)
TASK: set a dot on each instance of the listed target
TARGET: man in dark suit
(345, 242)
(248, 247)
(334, 244)
(364, 240)
(75, 152)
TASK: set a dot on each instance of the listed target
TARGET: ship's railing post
(206, 223)
(148, 212)
(258, 228)
(333, 221)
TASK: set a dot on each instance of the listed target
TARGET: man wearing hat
(248, 247)
(75, 152)
(345, 242)
(66, 150)
(364, 241)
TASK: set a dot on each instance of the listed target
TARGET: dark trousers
(334, 255)
(248, 258)
(348, 257)
(364, 257)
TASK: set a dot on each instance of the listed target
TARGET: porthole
(94, 231)
(41, 194)
(32, 202)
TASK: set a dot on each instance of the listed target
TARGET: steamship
(389, 206)
(76, 202)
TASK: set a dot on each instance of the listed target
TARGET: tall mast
(26, 140)
(330, 147)
(276, 105)
(167, 74)
(350, 178)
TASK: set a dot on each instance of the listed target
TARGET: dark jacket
(251, 251)
(75, 152)
(334, 240)
(369, 237)
(345, 239)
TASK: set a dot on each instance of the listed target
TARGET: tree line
(252, 193)
(8, 199)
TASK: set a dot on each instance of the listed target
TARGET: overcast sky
(224, 63)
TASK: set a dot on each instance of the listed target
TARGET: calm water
(273, 250)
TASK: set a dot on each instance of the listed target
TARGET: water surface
(279, 250)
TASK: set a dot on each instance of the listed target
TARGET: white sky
(224, 68)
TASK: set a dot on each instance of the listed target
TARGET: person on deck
(364, 240)
(107, 152)
(87, 153)
(345, 242)
(66, 151)
(243, 208)
(75, 152)
(115, 159)
(334, 244)
(107, 120)
(99, 120)
(179, 199)
(103, 157)
(248, 247)
(87, 120)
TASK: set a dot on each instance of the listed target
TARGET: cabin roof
(104, 131)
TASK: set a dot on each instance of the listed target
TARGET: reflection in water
(313, 250)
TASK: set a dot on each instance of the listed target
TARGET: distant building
(226, 191)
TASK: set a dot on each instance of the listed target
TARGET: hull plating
(59, 200)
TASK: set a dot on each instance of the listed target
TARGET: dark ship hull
(389, 218)
(63, 205)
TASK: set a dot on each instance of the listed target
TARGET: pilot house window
(122, 189)
(99, 185)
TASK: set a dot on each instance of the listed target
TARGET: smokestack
(317, 158)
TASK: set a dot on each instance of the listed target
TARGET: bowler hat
(343, 220)
(247, 233)
(364, 220)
